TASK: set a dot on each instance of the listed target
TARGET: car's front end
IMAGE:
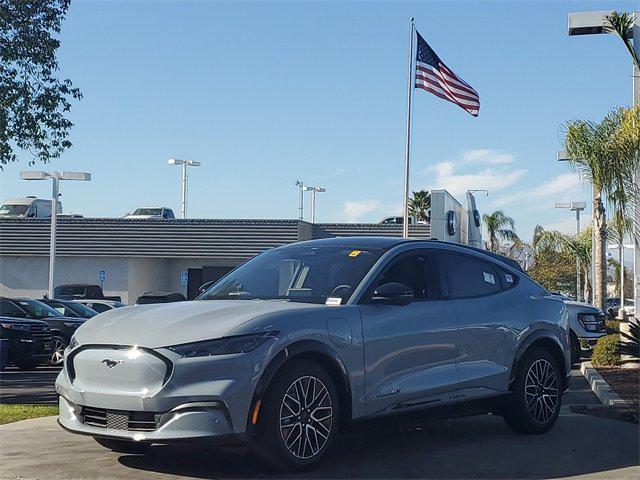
(29, 341)
(587, 323)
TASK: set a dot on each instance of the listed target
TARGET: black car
(70, 309)
(160, 297)
(62, 328)
(25, 343)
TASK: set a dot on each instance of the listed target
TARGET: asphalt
(579, 446)
(34, 386)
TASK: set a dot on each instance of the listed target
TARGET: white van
(29, 207)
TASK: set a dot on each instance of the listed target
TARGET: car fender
(535, 336)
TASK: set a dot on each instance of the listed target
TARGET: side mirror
(392, 293)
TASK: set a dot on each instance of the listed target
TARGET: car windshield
(8, 209)
(73, 309)
(297, 273)
(38, 309)
(70, 290)
(148, 211)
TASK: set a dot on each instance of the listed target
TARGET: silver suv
(293, 345)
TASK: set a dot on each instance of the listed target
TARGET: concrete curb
(600, 387)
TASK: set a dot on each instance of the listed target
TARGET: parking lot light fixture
(314, 190)
(184, 164)
(575, 207)
(55, 193)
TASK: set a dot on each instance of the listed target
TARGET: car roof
(387, 243)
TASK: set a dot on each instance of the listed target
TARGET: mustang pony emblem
(111, 363)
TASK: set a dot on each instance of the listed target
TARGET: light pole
(594, 23)
(185, 164)
(301, 188)
(575, 207)
(55, 193)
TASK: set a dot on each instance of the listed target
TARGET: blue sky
(267, 93)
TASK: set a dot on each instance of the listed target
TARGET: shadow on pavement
(463, 448)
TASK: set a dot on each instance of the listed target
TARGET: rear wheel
(299, 417)
(122, 446)
(537, 393)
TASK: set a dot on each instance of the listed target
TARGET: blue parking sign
(184, 278)
(102, 275)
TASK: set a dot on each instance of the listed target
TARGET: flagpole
(405, 218)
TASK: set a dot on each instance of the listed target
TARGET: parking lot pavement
(475, 447)
(35, 386)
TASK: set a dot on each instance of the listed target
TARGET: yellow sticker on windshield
(355, 253)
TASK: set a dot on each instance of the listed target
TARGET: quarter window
(470, 277)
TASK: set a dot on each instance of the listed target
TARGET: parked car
(25, 343)
(69, 308)
(586, 326)
(277, 350)
(100, 305)
(76, 291)
(400, 221)
(160, 297)
(28, 207)
(146, 213)
(612, 307)
(62, 328)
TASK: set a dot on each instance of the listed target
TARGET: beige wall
(127, 277)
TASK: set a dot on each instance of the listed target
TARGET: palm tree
(420, 205)
(605, 155)
(499, 227)
(622, 25)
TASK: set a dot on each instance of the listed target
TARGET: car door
(479, 291)
(409, 350)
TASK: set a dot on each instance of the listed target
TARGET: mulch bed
(626, 383)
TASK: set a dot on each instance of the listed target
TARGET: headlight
(15, 326)
(73, 343)
(591, 322)
(223, 346)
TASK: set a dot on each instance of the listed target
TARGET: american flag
(434, 76)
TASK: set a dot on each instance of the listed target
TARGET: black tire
(576, 351)
(24, 362)
(58, 346)
(122, 446)
(537, 393)
(317, 427)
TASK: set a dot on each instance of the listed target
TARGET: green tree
(33, 100)
(621, 23)
(605, 154)
(499, 227)
(420, 205)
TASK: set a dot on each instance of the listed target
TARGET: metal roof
(174, 238)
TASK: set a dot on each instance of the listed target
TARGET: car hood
(581, 306)
(161, 325)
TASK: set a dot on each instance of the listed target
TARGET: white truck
(28, 207)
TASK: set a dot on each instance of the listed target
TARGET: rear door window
(469, 276)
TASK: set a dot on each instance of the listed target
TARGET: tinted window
(469, 277)
(99, 307)
(8, 309)
(37, 309)
(416, 270)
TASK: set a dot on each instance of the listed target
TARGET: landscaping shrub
(605, 354)
(612, 326)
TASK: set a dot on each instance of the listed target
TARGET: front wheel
(537, 393)
(58, 346)
(299, 417)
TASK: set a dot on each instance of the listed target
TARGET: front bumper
(588, 343)
(155, 395)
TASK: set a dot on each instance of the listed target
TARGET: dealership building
(137, 256)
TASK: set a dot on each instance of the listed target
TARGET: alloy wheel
(306, 417)
(57, 351)
(541, 390)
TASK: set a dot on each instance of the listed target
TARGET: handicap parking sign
(184, 278)
(102, 275)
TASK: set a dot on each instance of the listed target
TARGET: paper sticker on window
(508, 278)
(489, 278)
(333, 301)
(355, 253)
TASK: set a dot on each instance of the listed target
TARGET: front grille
(119, 419)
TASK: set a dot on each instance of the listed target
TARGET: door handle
(395, 391)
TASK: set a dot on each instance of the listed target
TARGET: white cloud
(491, 157)
(491, 179)
(558, 188)
(353, 211)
